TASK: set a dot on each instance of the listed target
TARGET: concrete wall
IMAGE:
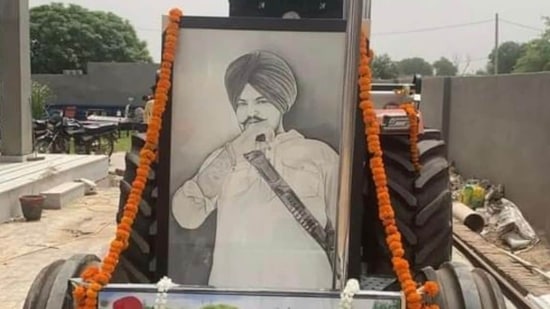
(105, 84)
(498, 128)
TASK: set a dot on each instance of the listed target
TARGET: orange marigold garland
(413, 134)
(393, 239)
(96, 277)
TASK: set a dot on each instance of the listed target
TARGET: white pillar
(15, 80)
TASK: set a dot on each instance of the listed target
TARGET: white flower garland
(346, 297)
(163, 286)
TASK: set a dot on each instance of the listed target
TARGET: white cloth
(259, 243)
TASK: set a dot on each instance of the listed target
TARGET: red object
(129, 302)
(70, 111)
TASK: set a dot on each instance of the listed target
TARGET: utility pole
(496, 45)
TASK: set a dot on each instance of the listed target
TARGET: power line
(470, 60)
(419, 30)
(391, 32)
(522, 25)
(435, 28)
(476, 60)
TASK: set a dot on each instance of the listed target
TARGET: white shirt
(258, 242)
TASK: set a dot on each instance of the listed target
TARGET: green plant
(386, 304)
(221, 306)
(40, 95)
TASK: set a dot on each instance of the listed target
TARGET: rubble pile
(505, 224)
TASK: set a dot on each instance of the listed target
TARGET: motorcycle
(87, 137)
(40, 128)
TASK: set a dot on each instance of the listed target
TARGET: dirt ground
(538, 255)
(85, 226)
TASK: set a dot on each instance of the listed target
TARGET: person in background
(138, 115)
(148, 112)
(150, 100)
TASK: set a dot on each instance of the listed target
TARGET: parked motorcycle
(87, 137)
(40, 128)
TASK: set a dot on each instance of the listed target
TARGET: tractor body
(319, 41)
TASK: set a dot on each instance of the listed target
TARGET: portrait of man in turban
(260, 242)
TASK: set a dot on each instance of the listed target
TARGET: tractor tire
(137, 261)
(421, 201)
(462, 286)
(51, 288)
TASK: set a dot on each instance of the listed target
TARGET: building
(105, 89)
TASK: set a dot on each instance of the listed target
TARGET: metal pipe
(349, 107)
(473, 220)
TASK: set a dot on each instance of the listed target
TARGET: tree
(68, 37)
(508, 55)
(384, 68)
(444, 67)
(40, 94)
(536, 55)
(416, 65)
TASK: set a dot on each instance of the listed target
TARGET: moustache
(251, 120)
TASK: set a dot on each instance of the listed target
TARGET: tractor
(262, 114)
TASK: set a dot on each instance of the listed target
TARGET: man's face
(252, 107)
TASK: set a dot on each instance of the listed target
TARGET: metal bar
(220, 293)
(496, 45)
(446, 112)
(388, 87)
(367, 6)
(513, 292)
(349, 107)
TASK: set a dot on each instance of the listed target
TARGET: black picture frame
(160, 248)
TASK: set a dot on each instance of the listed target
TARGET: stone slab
(62, 195)
(24, 178)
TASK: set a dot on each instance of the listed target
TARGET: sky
(400, 28)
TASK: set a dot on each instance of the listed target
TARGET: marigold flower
(86, 297)
(376, 164)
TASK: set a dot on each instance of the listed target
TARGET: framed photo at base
(250, 155)
(127, 296)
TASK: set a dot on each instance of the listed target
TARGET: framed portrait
(250, 154)
(127, 296)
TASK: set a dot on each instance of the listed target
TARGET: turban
(267, 73)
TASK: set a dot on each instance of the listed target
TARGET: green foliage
(40, 95)
(536, 54)
(536, 57)
(68, 37)
(415, 65)
(444, 67)
(384, 68)
(220, 306)
(387, 304)
(508, 55)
